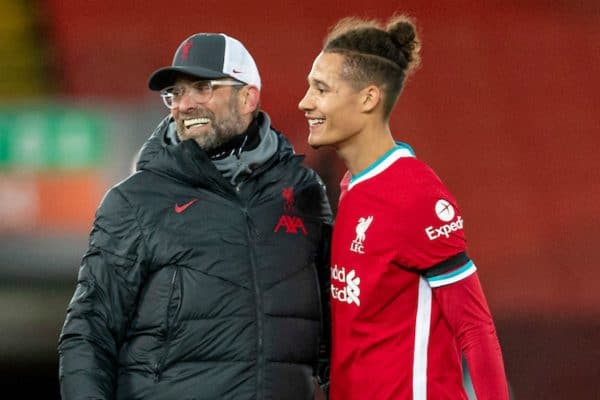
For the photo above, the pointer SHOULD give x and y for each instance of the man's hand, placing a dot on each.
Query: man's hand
(319, 394)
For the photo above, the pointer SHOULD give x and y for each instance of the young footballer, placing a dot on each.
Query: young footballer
(405, 297)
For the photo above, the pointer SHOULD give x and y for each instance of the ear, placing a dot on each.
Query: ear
(249, 98)
(371, 97)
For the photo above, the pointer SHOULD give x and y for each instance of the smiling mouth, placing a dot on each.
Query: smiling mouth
(315, 121)
(189, 123)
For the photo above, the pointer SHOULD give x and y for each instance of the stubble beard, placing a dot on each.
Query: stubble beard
(221, 130)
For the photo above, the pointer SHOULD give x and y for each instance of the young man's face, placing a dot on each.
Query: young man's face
(210, 123)
(330, 104)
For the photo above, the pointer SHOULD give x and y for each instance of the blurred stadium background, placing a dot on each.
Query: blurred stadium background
(505, 108)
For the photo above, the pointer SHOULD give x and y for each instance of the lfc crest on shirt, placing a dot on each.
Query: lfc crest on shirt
(357, 244)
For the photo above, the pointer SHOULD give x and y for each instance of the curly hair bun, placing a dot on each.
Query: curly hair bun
(403, 33)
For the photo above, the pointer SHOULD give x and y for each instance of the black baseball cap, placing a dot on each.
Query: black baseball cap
(210, 56)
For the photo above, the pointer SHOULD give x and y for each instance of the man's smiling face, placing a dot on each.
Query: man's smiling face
(211, 123)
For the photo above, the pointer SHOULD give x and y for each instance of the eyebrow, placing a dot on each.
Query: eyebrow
(315, 81)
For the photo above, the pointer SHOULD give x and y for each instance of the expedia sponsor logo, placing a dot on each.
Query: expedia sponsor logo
(444, 230)
(349, 290)
(445, 212)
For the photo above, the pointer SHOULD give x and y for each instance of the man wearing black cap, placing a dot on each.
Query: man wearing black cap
(207, 270)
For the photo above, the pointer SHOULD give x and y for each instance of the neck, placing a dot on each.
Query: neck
(364, 149)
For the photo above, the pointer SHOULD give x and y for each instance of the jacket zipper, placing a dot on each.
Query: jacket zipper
(259, 308)
(158, 366)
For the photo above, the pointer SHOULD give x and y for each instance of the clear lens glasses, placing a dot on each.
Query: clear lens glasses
(200, 91)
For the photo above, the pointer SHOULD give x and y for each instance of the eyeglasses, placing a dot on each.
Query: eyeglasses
(201, 91)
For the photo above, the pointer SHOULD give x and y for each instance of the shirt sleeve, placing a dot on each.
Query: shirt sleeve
(431, 242)
(429, 231)
(464, 306)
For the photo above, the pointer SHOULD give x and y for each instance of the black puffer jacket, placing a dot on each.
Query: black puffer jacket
(194, 289)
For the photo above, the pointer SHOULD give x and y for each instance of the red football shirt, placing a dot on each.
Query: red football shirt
(398, 234)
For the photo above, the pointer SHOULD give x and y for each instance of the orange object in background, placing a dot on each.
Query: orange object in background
(69, 200)
(49, 202)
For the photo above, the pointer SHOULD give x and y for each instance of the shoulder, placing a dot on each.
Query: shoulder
(405, 174)
(115, 206)
(411, 168)
(413, 175)
(124, 197)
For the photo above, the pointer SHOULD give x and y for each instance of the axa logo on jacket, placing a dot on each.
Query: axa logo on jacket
(288, 220)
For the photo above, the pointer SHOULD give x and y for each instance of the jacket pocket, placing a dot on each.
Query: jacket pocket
(168, 327)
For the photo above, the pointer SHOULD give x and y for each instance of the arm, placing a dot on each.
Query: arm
(325, 287)
(324, 274)
(99, 312)
(465, 308)
(432, 241)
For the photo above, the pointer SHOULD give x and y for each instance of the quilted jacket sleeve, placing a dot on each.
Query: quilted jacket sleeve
(110, 275)
(323, 270)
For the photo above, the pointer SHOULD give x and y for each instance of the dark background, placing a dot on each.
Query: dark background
(505, 108)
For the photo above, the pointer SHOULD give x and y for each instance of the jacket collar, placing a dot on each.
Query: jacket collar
(187, 162)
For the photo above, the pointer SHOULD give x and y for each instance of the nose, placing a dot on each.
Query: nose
(186, 101)
(305, 104)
